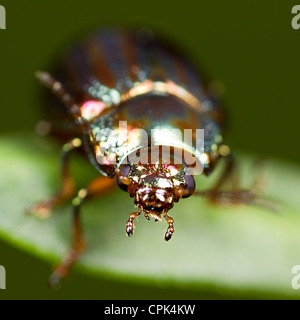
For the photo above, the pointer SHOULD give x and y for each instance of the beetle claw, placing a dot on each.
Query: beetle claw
(55, 281)
(40, 210)
(129, 229)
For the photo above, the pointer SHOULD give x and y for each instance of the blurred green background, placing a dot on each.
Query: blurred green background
(248, 45)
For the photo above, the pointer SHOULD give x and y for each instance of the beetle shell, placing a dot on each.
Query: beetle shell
(121, 76)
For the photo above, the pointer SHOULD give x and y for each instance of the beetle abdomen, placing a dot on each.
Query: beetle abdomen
(118, 76)
(109, 63)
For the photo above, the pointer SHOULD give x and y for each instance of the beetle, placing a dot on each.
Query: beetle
(115, 77)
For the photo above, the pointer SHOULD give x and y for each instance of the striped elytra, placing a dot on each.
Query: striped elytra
(116, 75)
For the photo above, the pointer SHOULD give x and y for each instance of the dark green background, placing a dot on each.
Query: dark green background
(248, 45)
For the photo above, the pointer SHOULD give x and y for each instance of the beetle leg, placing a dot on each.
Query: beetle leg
(129, 224)
(236, 195)
(228, 197)
(96, 188)
(43, 209)
(77, 248)
(239, 197)
(260, 180)
(231, 173)
(170, 229)
(228, 173)
(58, 89)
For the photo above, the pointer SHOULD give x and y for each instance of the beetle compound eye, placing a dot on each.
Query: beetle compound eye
(124, 172)
(125, 169)
(190, 186)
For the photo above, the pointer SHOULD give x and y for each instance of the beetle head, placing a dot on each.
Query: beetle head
(155, 187)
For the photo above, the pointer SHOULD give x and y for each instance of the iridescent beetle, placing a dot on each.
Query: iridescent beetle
(114, 76)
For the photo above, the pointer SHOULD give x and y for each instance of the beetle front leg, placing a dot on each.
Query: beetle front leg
(43, 209)
(215, 195)
(229, 173)
(77, 249)
(236, 195)
(97, 187)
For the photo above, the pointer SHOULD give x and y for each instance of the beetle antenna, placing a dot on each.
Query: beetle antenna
(170, 229)
(129, 223)
(59, 90)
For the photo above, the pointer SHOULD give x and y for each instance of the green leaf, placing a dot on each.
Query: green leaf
(242, 248)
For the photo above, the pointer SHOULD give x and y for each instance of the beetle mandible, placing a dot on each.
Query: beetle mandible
(113, 77)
